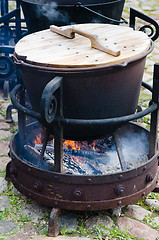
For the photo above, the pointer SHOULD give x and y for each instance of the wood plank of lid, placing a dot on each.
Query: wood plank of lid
(50, 49)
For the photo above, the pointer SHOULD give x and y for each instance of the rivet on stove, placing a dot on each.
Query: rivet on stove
(144, 168)
(119, 190)
(56, 203)
(149, 178)
(38, 186)
(89, 180)
(120, 202)
(120, 176)
(78, 193)
(143, 194)
(29, 169)
(88, 206)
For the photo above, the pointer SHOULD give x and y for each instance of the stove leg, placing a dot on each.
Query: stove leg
(52, 227)
(5, 90)
(58, 146)
(154, 115)
(58, 134)
(154, 118)
(21, 119)
(9, 118)
(8, 167)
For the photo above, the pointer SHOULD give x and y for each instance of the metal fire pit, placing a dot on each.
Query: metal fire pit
(80, 192)
(52, 187)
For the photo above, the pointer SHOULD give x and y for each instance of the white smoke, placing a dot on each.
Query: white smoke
(50, 10)
(135, 148)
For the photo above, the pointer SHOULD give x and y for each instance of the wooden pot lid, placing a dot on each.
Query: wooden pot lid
(52, 48)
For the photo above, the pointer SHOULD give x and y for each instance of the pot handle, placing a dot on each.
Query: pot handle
(21, 108)
(48, 104)
(69, 32)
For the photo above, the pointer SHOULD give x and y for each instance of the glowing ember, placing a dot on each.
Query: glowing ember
(37, 140)
(71, 144)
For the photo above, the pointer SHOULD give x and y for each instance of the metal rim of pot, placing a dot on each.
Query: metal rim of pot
(73, 2)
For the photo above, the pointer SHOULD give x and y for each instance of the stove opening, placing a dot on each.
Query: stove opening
(125, 150)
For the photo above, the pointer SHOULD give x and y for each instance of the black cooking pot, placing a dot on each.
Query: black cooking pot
(95, 85)
(40, 14)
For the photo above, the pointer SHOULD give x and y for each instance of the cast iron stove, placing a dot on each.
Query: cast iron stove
(91, 175)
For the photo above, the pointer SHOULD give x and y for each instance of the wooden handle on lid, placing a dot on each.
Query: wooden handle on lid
(70, 33)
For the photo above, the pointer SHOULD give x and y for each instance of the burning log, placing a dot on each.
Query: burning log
(75, 161)
(79, 161)
(33, 155)
(89, 154)
(70, 165)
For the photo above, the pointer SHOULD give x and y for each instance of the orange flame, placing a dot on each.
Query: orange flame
(94, 144)
(66, 143)
(71, 144)
(37, 140)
